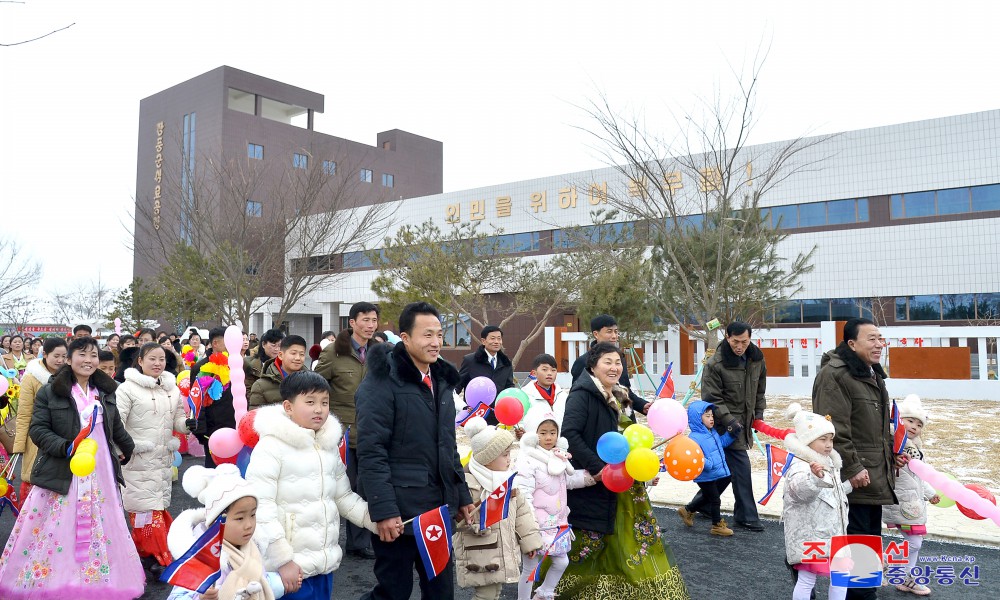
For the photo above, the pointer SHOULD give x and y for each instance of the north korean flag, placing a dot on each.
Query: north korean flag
(433, 532)
(481, 411)
(778, 462)
(497, 505)
(898, 431)
(194, 398)
(84, 432)
(537, 571)
(343, 446)
(200, 566)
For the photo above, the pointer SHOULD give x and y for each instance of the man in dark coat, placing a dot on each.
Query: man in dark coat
(604, 328)
(734, 379)
(221, 412)
(488, 361)
(850, 388)
(408, 459)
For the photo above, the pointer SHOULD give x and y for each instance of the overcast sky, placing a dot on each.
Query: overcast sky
(499, 86)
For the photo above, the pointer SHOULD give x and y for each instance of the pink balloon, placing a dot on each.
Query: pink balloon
(3, 385)
(481, 390)
(667, 417)
(955, 490)
(237, 380)
(225, 443)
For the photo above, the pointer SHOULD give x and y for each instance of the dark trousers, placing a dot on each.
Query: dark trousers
(209, 463)
(709, 499)
(863, 519)
(394, 564)
(745, 508)
(357, 538)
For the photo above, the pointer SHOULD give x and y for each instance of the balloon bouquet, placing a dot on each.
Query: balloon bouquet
(229, 445)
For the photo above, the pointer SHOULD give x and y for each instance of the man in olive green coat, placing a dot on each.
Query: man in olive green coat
(291, 359)
(734, 381)
(342, 363)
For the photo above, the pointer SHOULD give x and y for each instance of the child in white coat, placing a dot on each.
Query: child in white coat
(544, 392)
(302, 486)
(815, 499)
(910, 515)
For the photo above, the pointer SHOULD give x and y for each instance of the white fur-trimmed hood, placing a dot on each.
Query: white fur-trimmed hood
(796, 447)
(37, 370)
(273, 421)
(185, 531)
(167, 381)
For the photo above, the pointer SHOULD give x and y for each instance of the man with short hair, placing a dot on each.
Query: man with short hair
(291, 359)
(82, 331)
(604, 328)
(344, 365)
(220, 413)
(408, 460)
(487, 361)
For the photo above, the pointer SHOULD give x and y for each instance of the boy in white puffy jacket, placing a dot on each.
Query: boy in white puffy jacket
(302, 486)
(544, 392)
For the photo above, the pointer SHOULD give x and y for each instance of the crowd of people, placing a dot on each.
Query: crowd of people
(359, 430)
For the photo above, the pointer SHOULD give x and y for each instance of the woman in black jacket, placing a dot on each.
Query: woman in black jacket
(71, 539)
(617, 544)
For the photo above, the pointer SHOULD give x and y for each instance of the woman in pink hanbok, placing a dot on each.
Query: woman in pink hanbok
(71, 539)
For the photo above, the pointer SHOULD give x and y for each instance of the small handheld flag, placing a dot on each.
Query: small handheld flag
(84, 432)
(537, 571)
(194, 398)
(898, 431)
(778, 462)
(432, 530)
(666, 387)
(343, 446)
(481, 411)
(200, 566)
(496, 506)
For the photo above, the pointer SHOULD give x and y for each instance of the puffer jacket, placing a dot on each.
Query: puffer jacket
(341, 366)
(501, 544)
(35, 376)
(558, 406)
(302, 492)
(151, 410)
(814, 509)
(266, 390)
(912, 492)
(543, 476)
(858, 404)
(737, 389)
(712, 444)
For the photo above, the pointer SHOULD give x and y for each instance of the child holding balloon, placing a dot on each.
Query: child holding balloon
(71, 539)
(714, 477)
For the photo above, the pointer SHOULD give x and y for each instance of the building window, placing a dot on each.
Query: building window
(366, 175)
(986, 197)
(815, 311)
(300, 161)
(456, 330)
(387, 180)
(789, 312)
(254, 209)
(958, 307)
(187, 177)
(329, 167)
(785, 217)
(255, 151)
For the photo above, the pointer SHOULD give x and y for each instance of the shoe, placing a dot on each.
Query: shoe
(720, 528)
(686, 516)
(364, 553)
(913, 587)
(754, 526)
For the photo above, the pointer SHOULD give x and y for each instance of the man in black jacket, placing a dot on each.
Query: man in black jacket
(488, 361)
(604, 328)
(408, 460)
(221, 412)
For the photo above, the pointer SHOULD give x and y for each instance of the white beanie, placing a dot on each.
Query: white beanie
(537, 415)
(808, 425)
(216, 488)
(910, 407)
(488, 442)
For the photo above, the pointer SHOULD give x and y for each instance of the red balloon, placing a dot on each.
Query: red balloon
(229, 460)
(616, 478)
(983, 493)
(509, 410)
(248, 434)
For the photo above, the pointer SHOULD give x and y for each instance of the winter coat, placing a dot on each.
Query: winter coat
(737, 389)
(912, 493)
(477, 364)
(55, 422)
(35, 376)
(341, 366)
(589, 415)
(151, 410)
(500, 544)
(9, 360)
(814, 509)
(558, 406)
(252, 370)
(712, 444)
(858, 404)
(266, 390)
(217, 415)
(408, 459)
(302, 492)
(543, 476)
(580, 367)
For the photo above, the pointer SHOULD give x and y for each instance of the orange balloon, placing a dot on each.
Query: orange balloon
(683, 458)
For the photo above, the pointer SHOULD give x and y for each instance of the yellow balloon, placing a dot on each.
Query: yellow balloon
(185, 374)
(3, 486)
(82, 464)
(466, 458)
(642, 464)
(638, 436)
(87, 446)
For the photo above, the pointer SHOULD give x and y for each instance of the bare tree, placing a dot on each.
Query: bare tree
(87, 303)
(18, 311)
(37, 37)
(19, 274)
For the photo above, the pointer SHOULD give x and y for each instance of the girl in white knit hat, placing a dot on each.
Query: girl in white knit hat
(910, 515)
(815, 499)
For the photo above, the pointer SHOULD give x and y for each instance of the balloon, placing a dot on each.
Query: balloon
(519, 394)
(237, 378)
(945, 502)
(229, 460)
(667, 417)
(481, 390)
(3, 487)
(683, 458)
(118, 325)
(177, 459)
(983, 493)
(82, 464)
(965, 497)
(461, 416)
(3, 385)
(173, 473)
(465, 459)
(248, 434)
(638, 436)
(612, 447)
(87, 446)
(224, 443)
(642, 464)
(615, 478)
(509, 410)
(243, 460)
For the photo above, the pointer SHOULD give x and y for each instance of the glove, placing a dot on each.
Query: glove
(732, 425)
(759, 415)
(194, 426)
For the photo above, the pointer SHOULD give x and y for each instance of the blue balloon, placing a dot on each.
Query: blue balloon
(243, 459)
(612, 447)
(177, 459)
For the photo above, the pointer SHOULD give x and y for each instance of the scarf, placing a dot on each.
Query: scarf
(610, 397)
(248, 566)
(547, 394)
(487, 479)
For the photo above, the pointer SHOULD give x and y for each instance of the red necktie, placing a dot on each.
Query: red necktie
(427, 382)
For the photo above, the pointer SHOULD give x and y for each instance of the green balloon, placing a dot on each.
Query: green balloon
(518, 393)
(945, 502)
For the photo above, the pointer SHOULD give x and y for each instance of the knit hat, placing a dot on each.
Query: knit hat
(537, 415)
(216, 488)
(808, 425)
(910, 407)
(488, 442)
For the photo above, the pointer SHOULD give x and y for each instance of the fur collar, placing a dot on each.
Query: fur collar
(343, 346)
(167, 381)
(62, 382)
(855, 365)
(796, 447)
(556, 463)
(38, 370)
(272, 421)
(388, 361)
(480, 356)
(731, 361)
